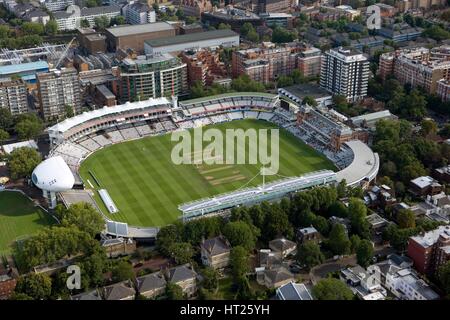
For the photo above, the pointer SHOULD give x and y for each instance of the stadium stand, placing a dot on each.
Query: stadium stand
(76, 138)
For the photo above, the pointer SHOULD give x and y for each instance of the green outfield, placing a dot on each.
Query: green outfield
(19, 217)
(147, 186)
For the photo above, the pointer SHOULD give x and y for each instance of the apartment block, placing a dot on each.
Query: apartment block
(58, 89)
(13, 95)
(430, 250)
(309, 62)
(152, 77)
(263, 64)
(71, 21)
(138, 13)
(345, 72)
(443, 89)
(204, 66)
(197, 7)
(419, 67)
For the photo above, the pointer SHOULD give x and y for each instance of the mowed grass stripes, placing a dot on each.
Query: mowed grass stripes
(19, 217)
(147, 186)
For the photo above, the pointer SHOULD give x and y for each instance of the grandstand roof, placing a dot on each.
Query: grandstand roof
(229, 95)
(365, 164)
(86, 116)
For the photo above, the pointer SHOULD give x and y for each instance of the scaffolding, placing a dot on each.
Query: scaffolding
(50, 52)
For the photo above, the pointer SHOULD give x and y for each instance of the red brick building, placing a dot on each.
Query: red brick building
(430, 250)
(204, 66)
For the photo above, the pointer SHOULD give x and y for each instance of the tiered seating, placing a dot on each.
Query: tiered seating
(101, 140)
(130, 133)
(251, 114)
(143, 129)
(219, 118)
(115, 136)
(89, 144)
(188, 124)
(168, 125)
(265, 116)
(156, 127)
(236, 115)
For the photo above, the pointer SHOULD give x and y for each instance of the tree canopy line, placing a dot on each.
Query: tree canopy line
(28, 34)
(72, 238)
(250, 227)
(405, 154)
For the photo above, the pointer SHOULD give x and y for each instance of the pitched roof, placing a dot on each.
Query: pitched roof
(278, 274)
(181, 273)
(294, 291)
(216, 246)
(150, 282)
(119, 290)
(281, 244)
(91, 295)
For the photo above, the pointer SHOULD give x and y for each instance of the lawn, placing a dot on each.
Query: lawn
(19, 217)
(147, 186)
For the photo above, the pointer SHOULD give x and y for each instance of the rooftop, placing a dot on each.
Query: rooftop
(429, 238)
(22, 67)
(191, 37)
(128, 30)
(307, 89)
(294, 291)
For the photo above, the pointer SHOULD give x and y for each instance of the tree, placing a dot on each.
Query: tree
(174, 291)
(284, 81)
(167, 236)
(22, 161)
(406, 219)
(51, 28)
(253, 36)
(321, 224)
(281, 35)
(444, 277)
(355, 241)
(35, 285)
(331, 289)
(85, 217)
(119, 20)
(240, 233)
(239, 262)
(93, 267)
(428, 127)
(338, 241)
(436, 32)
(309, 254)
(102, 22)
(276, 224)
(210, 278)
(310, 101)
(223, 26)
(182, 252)
(357, 213)
(32, 28)
(6, 118)
(28, 126)
(122, 271)
(51, 244)
(4, 135)
(364, 253)
(84, 23)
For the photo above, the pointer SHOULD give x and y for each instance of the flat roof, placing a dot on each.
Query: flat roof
(228, 95)
(128, 30)
(307, 89)
(8, 148)
(86, 116)
(365, 164)
(21, 67)
(191, 37)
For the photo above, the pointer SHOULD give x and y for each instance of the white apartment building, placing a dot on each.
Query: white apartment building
(345, 72)
(71, 21)
(138, 13)
(57, 5)
(406, 285)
